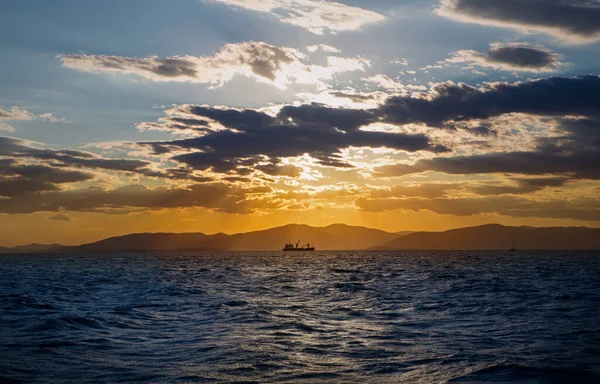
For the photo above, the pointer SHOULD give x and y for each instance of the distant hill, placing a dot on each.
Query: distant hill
(146, 242)
(338, 237)
(333, 237)
(35, 248)
(341, 237)
(499, 237)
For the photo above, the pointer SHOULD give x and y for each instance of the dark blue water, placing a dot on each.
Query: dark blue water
(322, 317)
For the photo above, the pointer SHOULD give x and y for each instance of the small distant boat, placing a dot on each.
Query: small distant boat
(289, 247)
(514, 248)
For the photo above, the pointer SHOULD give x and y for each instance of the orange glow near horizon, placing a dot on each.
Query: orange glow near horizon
(90, 227)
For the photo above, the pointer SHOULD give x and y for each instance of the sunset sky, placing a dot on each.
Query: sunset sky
(238, 115)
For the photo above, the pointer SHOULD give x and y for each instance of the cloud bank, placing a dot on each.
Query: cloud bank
(263, 62)
(244, 161)
(247, 138)
(511, 57)
(572, 21)
(15, 113)
(313, 15)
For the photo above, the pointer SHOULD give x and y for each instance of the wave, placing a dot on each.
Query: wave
(376, 317)
(515, 373)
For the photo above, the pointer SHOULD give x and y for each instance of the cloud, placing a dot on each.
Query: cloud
(541, 135)
(576, 154)
(425, 190)
(16, 113)
(511, 57)
(347, 98)
(523, 186)
(386, 82)
(51, 118)
(15, 148)
(18, 148)
(322, 47)
(313, 15)
(263, 62)
(176, 125)
(461, 102)
(236, 141)
(586, 209)
(391, 85)
(216, 196)
(243, 139)
(60, 217)
(574, 150)
(6, 128)
(573, 21)
(18, 179)
(288, 170)
(402, 61)
(446, 190)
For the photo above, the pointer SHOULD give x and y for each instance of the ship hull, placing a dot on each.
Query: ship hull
(298, 250)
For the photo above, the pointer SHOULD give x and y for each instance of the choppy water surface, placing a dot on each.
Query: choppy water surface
(323, 317)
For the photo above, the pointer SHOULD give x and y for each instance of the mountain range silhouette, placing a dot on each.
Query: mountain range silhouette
(341, 237)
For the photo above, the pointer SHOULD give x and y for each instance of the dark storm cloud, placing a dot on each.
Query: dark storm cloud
(16, 148)
(254, 136)
(59, 158)
(216, 196)
(576, 21)
(576, 155)
(579, 96)
(16, 179)
(252, 140)
(346, 120)
(190, 122)
(44, 173)
(21, 185)
(521, 56)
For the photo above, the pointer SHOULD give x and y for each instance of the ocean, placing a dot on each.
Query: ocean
(322, 317)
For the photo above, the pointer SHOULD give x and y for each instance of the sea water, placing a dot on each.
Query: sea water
(339, 317)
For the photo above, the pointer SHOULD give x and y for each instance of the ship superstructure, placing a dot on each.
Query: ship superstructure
(291, 247)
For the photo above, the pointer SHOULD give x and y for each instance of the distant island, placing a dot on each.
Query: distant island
(340, 237)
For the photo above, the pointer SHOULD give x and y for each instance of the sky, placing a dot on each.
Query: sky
(121, 116)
